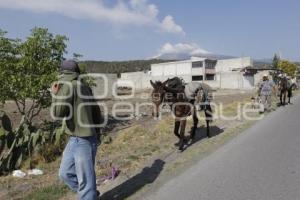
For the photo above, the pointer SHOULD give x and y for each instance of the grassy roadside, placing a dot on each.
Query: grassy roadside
(134, 148)
(130, 150)
(54, 191)
(18, 188)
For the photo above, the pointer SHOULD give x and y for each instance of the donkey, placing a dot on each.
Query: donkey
(173, 92)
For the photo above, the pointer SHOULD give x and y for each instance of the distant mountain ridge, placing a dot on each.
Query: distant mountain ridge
(118, 67)
(186, 56)
(145, 65)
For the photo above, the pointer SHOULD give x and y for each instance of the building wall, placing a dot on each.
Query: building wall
(225, 77)
(104, 83)
(235, 80)
(227, 65)
(171, 69)
(139, 80)
(186, 78)
(214, 84)
(182, 69)
(226, 80)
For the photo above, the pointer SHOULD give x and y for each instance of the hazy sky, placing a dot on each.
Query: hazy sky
(139, 29)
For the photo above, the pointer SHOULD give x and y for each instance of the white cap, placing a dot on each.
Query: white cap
(265, 75)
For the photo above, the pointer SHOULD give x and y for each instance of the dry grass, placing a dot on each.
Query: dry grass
(18, 188)
(296, 92)
(131, 148)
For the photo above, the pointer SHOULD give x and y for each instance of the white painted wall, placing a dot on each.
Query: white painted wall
(214, 84)
(198, 71)
(227, 65)
(171, 68)
(235, 80)
(248, 82)
(104, 85)
(138, 80)
(183, 68)
(157, 70)
(186, 78)
(224, 78)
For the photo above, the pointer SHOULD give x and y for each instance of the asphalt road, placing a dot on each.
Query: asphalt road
(263, 163)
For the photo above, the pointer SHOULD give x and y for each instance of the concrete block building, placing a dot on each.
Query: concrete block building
(195, 69)
(219, 74)
(104, 85)
(224, 73)
(138, 80)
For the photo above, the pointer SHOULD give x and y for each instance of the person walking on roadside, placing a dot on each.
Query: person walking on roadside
(265, 89)
(290, 86)
(78, 160)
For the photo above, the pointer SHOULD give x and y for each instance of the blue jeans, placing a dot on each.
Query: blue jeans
(77, 166)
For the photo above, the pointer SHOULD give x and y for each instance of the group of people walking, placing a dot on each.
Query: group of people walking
(267, 88)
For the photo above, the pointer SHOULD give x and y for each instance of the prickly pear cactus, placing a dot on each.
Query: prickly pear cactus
(5, 122)
(2, 140)
(22, 143)
(5, 129)
(59, 132)
(19, 147)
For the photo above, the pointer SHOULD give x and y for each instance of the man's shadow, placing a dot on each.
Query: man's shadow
(201, 133)
(129, 187)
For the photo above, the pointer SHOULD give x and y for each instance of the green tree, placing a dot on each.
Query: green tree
(287, 67)
(276, 59)
(8, 59)
(29, 68)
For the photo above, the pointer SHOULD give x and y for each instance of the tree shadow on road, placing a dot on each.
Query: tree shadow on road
(129, 187)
